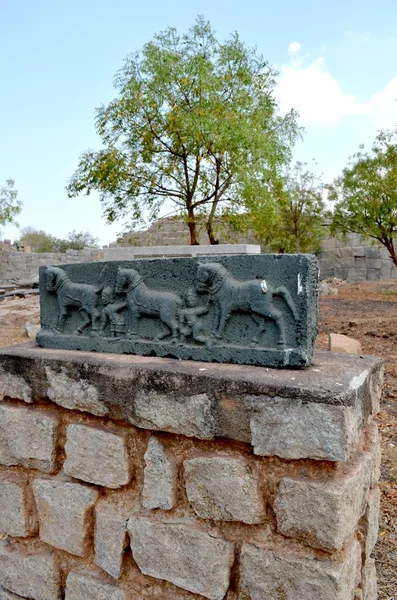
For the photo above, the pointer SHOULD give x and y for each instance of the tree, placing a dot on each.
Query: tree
(365, 195)
(195, 124)
(10, 206)
(37, 239)
(293, 221)
(300, 212)
(77, 240)
(41, 241)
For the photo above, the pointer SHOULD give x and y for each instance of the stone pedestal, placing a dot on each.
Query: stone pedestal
(126, 477)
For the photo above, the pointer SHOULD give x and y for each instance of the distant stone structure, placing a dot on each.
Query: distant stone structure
(25, 265)
(173, 231)
(355, 260)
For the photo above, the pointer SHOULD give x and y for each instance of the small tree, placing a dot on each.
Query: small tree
(10, 206)
(37, 239)
(41, 241)
(365, 195)
(293, 219)
(300, 211)
(196, 124)
(77, 240)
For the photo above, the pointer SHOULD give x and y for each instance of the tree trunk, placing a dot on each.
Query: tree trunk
(388, 243)
(209, 224)
(191, 221)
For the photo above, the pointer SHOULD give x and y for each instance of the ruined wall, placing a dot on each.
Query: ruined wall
(126, 478)
(25, 265)
(355, 260)
(173, 231)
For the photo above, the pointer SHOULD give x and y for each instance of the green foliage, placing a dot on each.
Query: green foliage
(10, 206)
(365, 195)
(195, 124)
(77, 240)
(300, 212)
(292, 219)
(41, 241)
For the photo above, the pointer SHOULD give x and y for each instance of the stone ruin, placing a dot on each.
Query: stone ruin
(130, 477)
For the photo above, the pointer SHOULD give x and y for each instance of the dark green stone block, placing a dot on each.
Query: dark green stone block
(255, 309)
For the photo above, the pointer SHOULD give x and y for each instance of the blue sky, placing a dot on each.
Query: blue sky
(337, 64)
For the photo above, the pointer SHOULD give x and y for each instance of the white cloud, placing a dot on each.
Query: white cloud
(320, 100)
(293, 48)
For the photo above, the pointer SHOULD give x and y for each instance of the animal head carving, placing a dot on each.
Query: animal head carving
(208, 275)
(125, 279)
(53, 275)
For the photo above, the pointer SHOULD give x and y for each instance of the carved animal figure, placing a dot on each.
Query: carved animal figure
(142, 300)
(253, 297)
(70, 294)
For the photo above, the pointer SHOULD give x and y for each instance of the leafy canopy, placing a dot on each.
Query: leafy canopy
(195, 124)
(41, 241)
(294, 220)
(10, 206)
(365, 195)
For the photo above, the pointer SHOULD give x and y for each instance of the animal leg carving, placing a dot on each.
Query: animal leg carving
(261, 327)
(86, 322)
(61, 320)
(216, 321)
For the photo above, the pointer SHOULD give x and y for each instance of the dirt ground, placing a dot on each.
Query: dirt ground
(366, 311)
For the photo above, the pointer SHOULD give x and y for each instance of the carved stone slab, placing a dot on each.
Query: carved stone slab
(255, 309)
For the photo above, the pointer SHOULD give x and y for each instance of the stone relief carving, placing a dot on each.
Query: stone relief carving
(142, 300)
(113, 315)
(83, 296)
(200, 317)
(191, 326)
(253, 297)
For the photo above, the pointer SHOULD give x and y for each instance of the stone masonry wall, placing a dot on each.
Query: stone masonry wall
(355, 260)
(131, 478)
(173, 231)
(25, 265)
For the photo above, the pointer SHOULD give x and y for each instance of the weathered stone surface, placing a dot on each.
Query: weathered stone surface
(191, 559)
(14, 386)
(375, 449)
(292, 428)
(342, 343)
(159, 487)
(63, 512)
(266, 575)
(358, 251)
(324, 513)
(371, 521)
(28, 437)
(132, 252)
(29, 574)
(4, 595)
(75, 395)
(224, 488)
(191, 415)
(209, 400)
(110, 539)
(97, 456)
(81, 586)
(370, 584)
(263, 308)
(16, 517)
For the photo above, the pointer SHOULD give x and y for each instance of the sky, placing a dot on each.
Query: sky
(336, 62)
